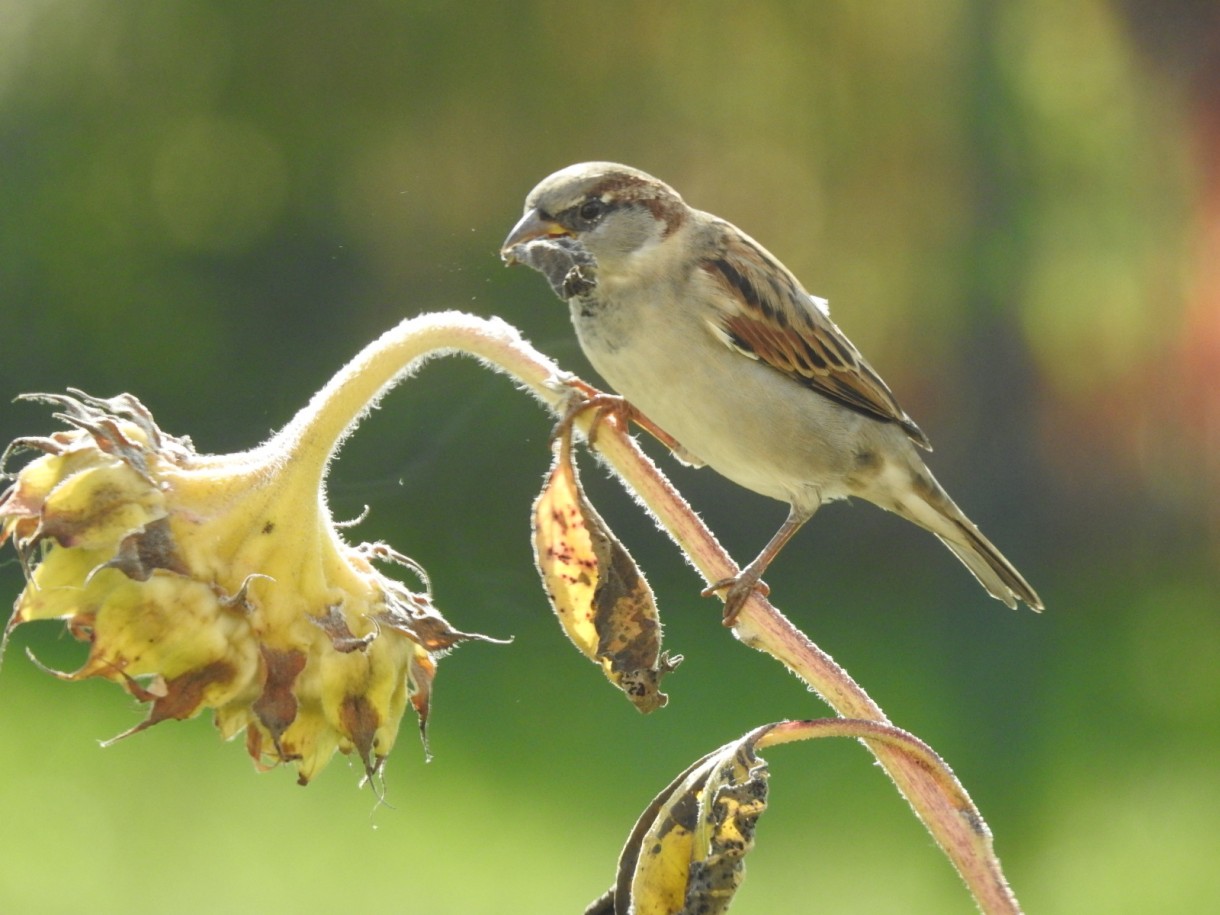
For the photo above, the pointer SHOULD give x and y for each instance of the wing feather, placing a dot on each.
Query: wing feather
(782, 325)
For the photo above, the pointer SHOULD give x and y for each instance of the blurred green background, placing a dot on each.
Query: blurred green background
(1014, 208)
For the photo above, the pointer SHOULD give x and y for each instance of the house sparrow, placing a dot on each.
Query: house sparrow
(717, 344)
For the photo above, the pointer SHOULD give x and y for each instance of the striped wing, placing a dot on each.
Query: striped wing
(782, 325)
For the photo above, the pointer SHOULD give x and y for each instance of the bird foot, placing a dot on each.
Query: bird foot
(587, 397)
(737, 590)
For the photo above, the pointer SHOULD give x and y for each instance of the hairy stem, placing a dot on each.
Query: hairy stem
(950, 816)
(927, 783)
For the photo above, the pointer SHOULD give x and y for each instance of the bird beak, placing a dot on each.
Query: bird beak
(531, 226)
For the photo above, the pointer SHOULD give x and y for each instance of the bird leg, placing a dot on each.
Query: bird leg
(739, 587)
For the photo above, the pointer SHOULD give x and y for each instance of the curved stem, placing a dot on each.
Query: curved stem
(335, 411)
(950, 816)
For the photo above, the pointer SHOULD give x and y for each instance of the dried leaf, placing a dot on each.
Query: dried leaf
(415, 616)
(360, 721)
(184, 697)
(149, 548)
(276, 706)
(334, 624)
(596, 590)
(421, 672)
(686, 853)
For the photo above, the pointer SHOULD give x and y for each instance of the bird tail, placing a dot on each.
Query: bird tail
(929, 506)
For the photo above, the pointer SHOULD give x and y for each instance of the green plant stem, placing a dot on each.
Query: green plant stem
(930, 787)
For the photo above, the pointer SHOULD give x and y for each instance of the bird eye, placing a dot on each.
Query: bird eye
(592, 209)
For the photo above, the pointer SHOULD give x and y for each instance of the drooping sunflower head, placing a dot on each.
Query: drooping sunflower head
(219, 582)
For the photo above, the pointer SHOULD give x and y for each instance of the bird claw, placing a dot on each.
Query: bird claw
(738, 590)
(585, 397)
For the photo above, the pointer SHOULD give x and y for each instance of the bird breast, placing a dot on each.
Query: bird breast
(743, 418)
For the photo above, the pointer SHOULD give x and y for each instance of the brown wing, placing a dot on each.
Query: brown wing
(781, 325)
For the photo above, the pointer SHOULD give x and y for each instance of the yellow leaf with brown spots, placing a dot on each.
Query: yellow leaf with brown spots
(686, 853)
(596, 590)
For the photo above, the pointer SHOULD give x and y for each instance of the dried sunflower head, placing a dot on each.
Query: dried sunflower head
(219, 581)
